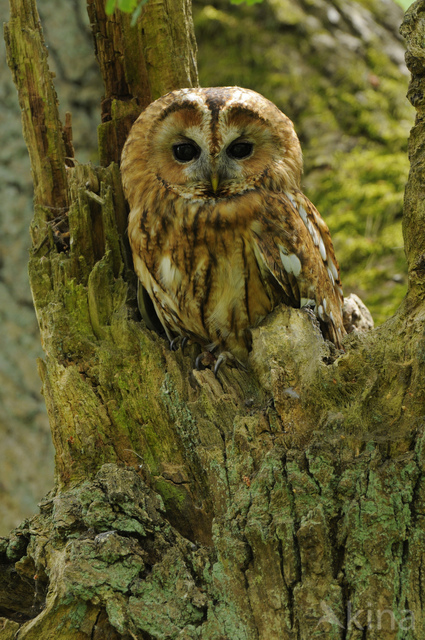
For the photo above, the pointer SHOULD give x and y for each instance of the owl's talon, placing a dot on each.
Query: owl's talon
(228, 359)
(184, 342)
(174, 343)
(207, 359)
(221, 358)
(204, 360)
(177, 342)
(199, 366)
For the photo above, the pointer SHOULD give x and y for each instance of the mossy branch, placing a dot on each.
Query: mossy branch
(414, 205)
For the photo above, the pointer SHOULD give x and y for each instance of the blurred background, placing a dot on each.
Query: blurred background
(336, 68)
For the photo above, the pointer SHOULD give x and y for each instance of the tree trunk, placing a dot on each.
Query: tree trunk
(280, 503)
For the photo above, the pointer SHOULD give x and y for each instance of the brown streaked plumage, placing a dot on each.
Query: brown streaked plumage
(219, 229)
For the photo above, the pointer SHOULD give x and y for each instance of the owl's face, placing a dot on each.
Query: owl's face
(214, 143)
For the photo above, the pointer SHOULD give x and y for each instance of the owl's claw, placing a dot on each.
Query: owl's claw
(174, 343)
(207, 359)
(198, 362)
(204, 360)
(229, 359)
(177, 342)
(220, 360)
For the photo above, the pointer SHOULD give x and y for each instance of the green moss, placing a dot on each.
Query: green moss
(362, 202)
(172, 495)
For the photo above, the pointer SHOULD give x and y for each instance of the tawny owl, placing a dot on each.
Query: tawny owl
(219, 229)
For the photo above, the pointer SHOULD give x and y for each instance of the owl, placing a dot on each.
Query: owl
(219, 228)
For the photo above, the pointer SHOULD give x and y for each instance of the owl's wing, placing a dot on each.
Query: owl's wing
(293, 244)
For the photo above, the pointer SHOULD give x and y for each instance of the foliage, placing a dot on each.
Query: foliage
(123, 5)
(248, 2)
(135, 6)
(127, 6)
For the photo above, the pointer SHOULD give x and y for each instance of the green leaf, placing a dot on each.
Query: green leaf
(110, 6)
(248, 2)
(127, 6)
(137, 12)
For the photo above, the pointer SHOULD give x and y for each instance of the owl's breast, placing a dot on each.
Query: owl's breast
(218, 289)
(238, 296)
(200, 269)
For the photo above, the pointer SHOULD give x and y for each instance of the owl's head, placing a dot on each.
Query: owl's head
(212, 143)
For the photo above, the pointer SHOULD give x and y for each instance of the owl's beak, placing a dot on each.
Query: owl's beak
(215, 181)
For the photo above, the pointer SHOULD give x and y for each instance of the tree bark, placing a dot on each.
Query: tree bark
(284, 502)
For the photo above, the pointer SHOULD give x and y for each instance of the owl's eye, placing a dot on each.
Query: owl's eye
(186, 151)
(239, 150)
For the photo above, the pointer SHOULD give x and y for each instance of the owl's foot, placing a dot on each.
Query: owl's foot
(207, 359)
(227, 358)
(177, 342)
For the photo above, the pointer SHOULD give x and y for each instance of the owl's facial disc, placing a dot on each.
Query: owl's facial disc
(204, 158)
(210, 172)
